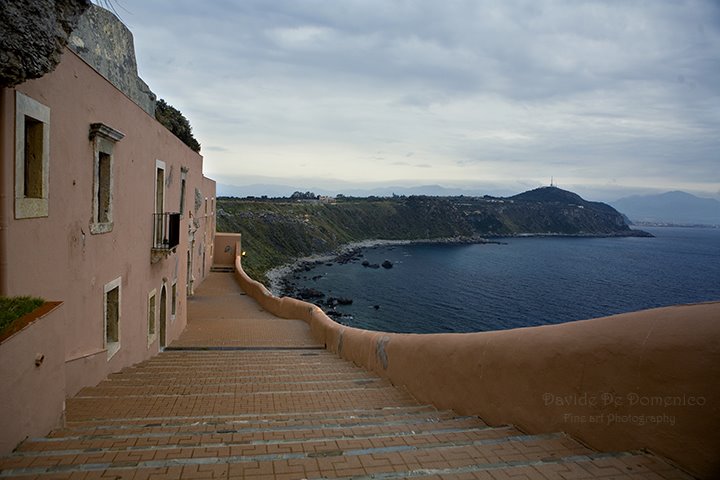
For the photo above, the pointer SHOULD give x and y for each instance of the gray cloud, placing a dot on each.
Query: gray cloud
(507, 90)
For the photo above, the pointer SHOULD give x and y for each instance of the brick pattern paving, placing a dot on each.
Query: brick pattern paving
(285, 413)
(221, 315)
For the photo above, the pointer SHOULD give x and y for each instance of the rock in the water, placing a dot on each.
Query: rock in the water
(387, 264)
(309, 293)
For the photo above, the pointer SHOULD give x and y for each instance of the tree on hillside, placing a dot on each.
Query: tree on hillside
(176, 122)
(304, 196)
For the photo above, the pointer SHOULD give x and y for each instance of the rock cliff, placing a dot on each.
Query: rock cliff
(105, 43)
(33, 35)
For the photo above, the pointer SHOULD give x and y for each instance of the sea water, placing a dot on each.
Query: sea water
(523, 281)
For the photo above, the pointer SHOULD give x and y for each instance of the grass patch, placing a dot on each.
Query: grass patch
(12, 308)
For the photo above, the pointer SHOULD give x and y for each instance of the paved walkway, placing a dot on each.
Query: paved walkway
(221, 315)
(221, 407)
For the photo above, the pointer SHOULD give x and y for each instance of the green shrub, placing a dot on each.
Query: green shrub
(12, 308)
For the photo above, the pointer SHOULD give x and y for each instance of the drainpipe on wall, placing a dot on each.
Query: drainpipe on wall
(4, 134)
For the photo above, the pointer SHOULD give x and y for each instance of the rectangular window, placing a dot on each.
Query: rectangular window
(112, 317)
(152, 315)
(103, 193)
(32, 157)
(160, 233)
(183, 187)
(173, 306)
(103, 139)
(159, 187)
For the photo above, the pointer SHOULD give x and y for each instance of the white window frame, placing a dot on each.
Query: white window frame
(160, 165)
(183, 190)
(25, 206)
(152, 314)
(173, 300)
(112, 347)
(103, 139)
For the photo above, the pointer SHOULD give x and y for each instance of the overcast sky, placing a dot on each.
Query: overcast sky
(610, 97)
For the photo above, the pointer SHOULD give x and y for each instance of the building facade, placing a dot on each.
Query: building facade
(105, 210)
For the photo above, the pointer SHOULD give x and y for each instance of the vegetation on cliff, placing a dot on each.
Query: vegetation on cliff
(175, 121)
(277, 231)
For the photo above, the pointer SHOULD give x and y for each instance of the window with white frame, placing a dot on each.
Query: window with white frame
(152, 316)
(103, 139)
(111, 316)
(32, 157)
(183, 188)
(173, 300)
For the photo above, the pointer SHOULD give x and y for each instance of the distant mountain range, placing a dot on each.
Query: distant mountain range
(679, 208)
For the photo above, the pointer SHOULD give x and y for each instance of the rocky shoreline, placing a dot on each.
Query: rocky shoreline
(282, 279)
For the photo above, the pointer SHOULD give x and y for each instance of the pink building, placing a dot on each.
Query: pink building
(103, 209)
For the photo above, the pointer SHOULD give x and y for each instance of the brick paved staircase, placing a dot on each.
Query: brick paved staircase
(244, 394)
(290, 413)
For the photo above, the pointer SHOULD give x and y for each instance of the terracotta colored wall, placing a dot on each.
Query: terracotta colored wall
(209, 227)
(640, 380)
(57, 257)
(32, 396)
(225, 248)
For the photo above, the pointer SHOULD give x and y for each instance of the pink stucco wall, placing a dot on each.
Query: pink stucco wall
(640, 380)
(58, 258)
(32, 395)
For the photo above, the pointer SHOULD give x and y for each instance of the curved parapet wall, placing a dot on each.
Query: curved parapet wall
(643, 380)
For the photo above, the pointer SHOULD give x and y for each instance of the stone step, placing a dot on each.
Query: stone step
(204, 368)
(190, 354)
(307, 417)
(389, 465)
(229, 388)
(278, 376)
(223, 268)
(353, 457)
(99, 408)
(311, 442)
(238, 379)
(233, 433)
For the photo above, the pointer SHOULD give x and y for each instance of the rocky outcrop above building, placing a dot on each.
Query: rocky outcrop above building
(105, 43)
(33, 35)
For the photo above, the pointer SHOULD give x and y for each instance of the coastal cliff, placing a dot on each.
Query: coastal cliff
(277, 231)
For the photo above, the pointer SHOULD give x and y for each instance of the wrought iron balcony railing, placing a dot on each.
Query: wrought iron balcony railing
(166, 230)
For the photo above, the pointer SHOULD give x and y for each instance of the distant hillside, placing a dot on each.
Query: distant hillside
(276, 190)
(672, 207)
(277, 231)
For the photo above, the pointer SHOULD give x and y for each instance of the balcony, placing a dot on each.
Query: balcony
(166, 235)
